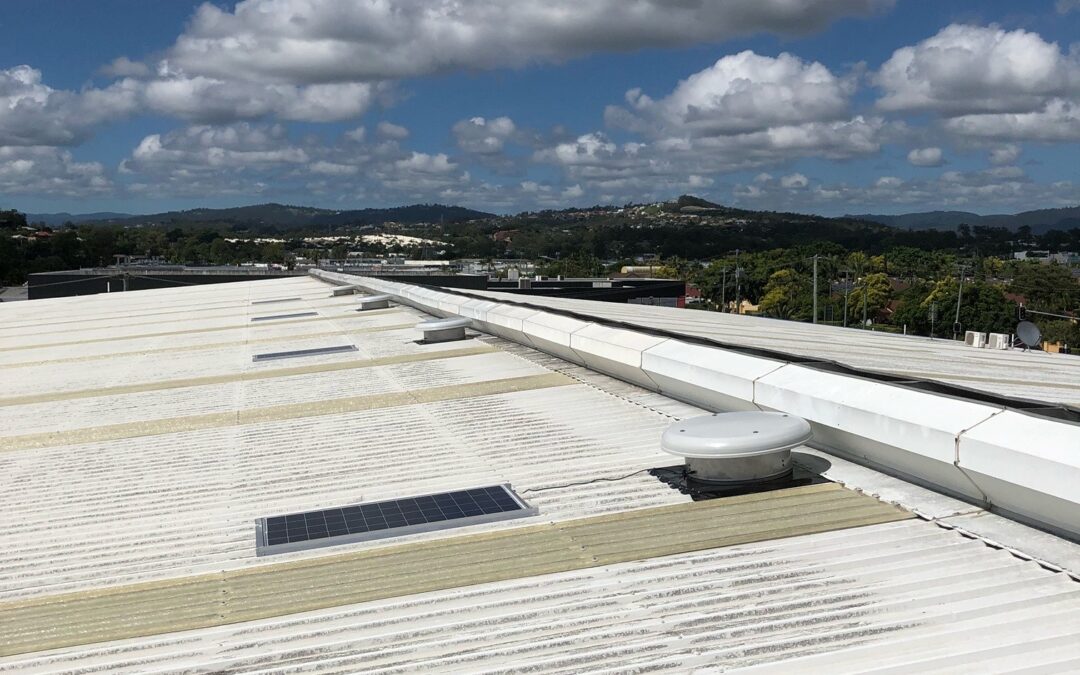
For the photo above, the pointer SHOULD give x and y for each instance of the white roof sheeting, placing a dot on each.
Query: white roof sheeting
(1033, 375)
(91, 514)
(904, 595)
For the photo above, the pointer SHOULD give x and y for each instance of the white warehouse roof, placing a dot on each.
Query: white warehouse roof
(140, 442)
(1017, 373)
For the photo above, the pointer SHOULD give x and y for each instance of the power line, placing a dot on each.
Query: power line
(168, 281)
(73, 281)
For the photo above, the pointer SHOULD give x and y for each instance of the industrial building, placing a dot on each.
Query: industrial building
(290, 475)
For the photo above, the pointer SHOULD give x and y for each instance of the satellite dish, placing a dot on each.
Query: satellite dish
(1028, 333)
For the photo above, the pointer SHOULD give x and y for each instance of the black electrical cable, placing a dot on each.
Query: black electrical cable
(586, 482)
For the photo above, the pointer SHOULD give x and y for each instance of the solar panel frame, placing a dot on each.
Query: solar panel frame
(296, 353)
(389, 518)
(283, 316)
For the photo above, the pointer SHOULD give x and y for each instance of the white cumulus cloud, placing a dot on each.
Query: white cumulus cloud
(481, 136)
(1005, 154)
(926, 157)
(1057, 121)
(747, 92)
(240, 145)
(388, 130)
(33, 113)
(308, 41)
(967, 69)
(794, 181)
(50, 170)
(208, 99)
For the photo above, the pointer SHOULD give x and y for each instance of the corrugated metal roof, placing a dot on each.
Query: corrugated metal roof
(904, 593)
(232, 596)
(1033, 375)
(154, 505)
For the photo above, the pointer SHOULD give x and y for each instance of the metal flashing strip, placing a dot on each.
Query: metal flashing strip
(313, 583)
(333, 406)
(269, 302)
(296, 353)
(389, 518)
(248, 376)
(275, 317)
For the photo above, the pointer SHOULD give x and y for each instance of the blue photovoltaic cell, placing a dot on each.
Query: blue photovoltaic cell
(392, 518)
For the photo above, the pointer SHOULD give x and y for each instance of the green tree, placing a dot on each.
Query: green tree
(68, 247)
(787, 296)
(99, 244)
(983, 307)
(272, 252)
(1061, 331)
(914, 313)
(908, 262)
(876, 290)
(859, 263)
(12, 219)
(1050, 288)
(221, 252)
(580, 264)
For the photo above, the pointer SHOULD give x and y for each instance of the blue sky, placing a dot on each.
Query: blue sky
(826, 106)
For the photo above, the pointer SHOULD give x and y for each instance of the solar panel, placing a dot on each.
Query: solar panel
(267, 302)
(282, 316)
(317, 351)
(390, 518)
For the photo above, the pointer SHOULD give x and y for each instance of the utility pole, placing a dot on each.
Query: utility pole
(815, 287)
(723, 290)
(959, 297)
(738, 278)
(864, 303)
(847, 288)
(933, 317)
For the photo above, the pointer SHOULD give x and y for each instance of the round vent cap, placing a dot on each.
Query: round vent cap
(740, 447)
(738, 434)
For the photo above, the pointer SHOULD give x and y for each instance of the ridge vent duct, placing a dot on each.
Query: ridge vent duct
(736, 448)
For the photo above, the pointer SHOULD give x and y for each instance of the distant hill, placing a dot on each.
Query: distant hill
(57, 219)
(1040, 221)
(696, 205)
(280, 215)
(690, 205)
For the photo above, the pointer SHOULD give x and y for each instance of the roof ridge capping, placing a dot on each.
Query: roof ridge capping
(1020, 465)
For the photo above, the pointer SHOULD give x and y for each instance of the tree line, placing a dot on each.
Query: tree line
(896, 279)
